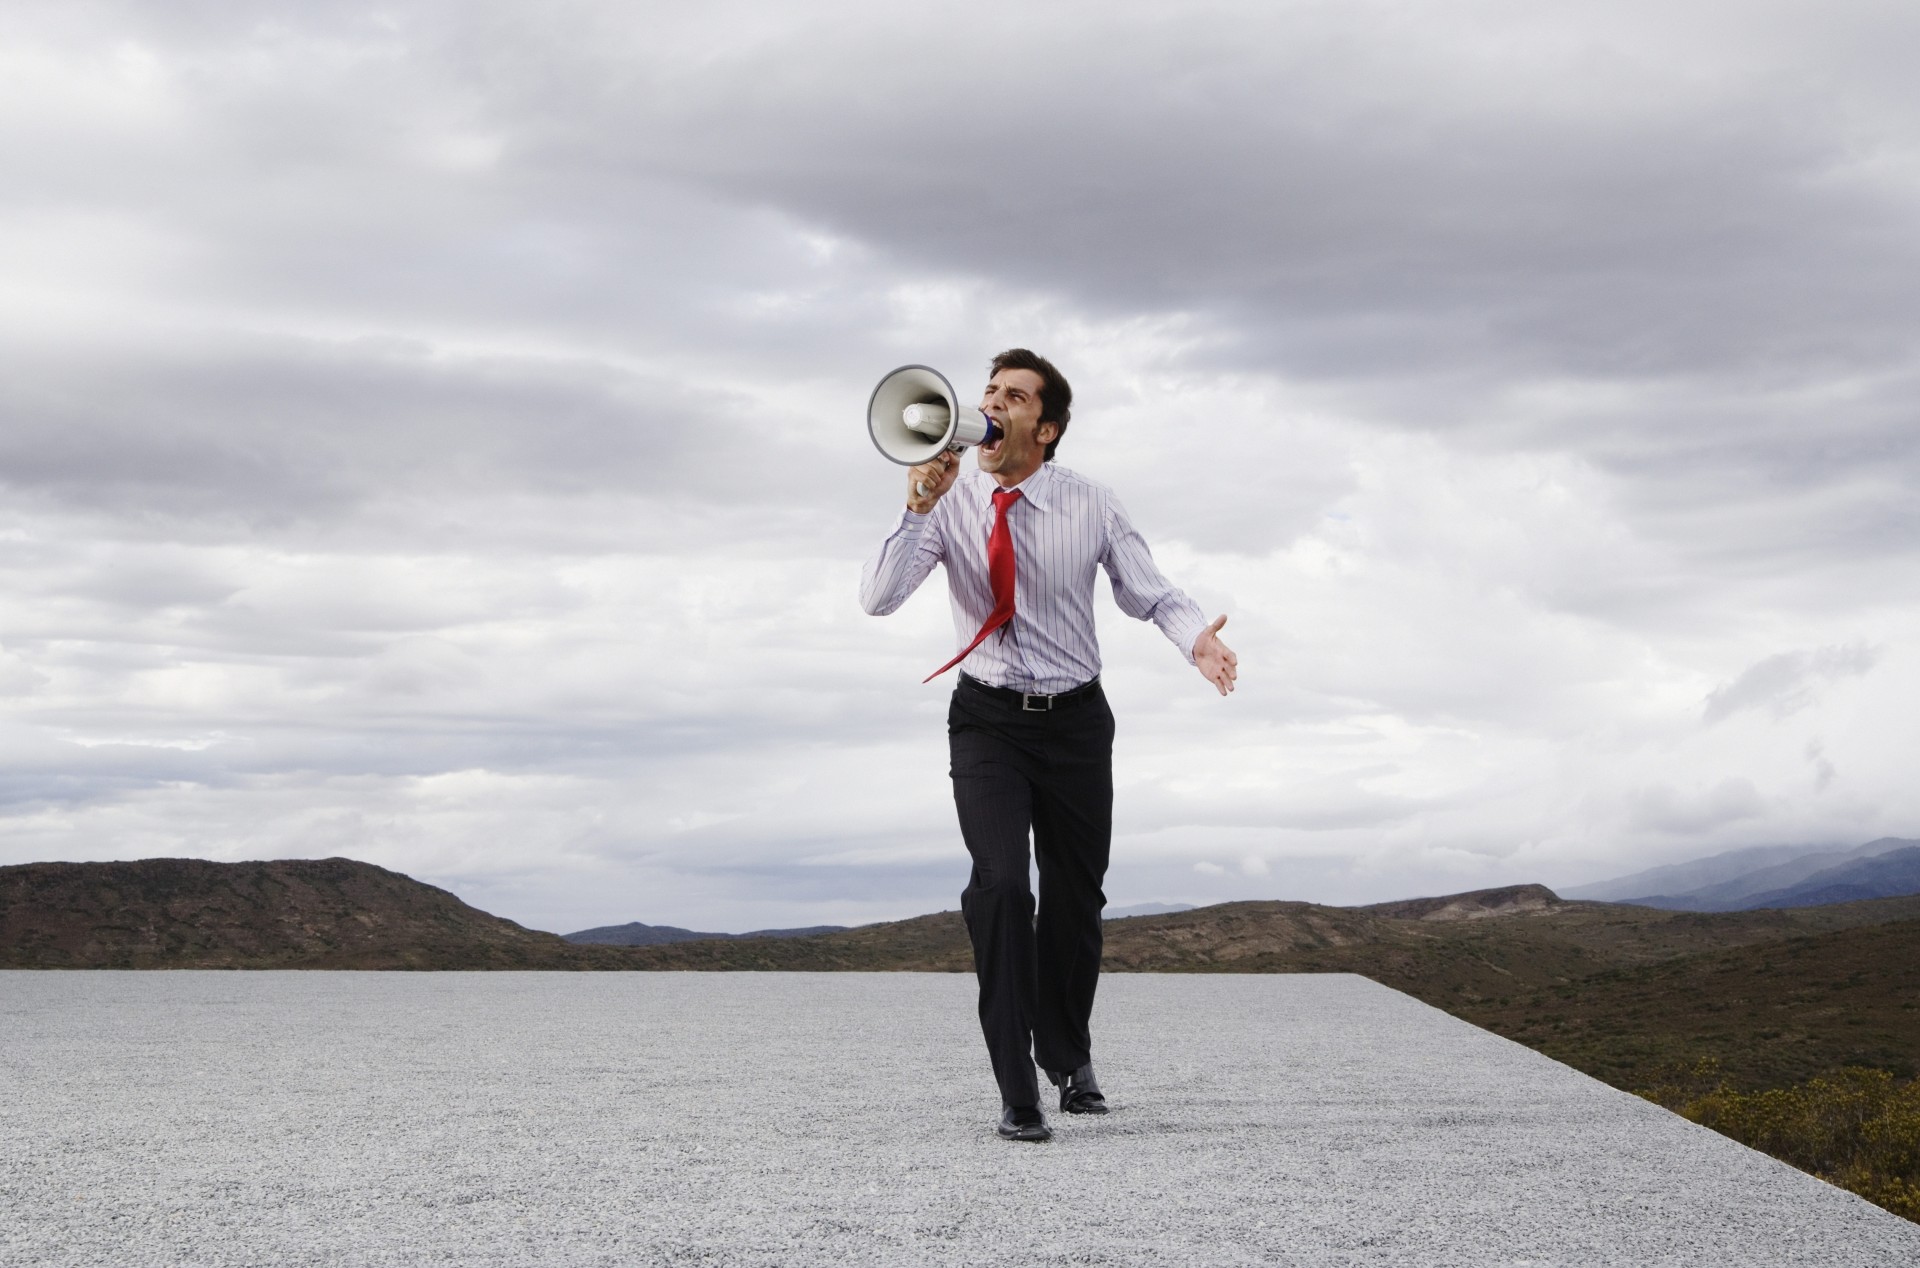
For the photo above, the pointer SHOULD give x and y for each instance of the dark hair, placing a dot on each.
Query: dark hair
(1056, 397)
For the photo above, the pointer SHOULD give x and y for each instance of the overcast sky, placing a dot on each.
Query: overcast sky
(432, 433)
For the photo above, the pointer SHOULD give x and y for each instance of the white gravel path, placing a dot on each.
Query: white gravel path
(643, 1118)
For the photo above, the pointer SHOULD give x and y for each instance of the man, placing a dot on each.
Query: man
(1029, 730)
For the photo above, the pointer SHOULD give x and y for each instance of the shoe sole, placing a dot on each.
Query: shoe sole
(1033, 1134)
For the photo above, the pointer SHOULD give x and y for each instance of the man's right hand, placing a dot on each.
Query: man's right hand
(935, 477)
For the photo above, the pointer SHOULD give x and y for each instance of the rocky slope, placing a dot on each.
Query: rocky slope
(288, 913)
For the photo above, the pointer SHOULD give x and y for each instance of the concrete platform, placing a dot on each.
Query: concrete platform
(745, 1119)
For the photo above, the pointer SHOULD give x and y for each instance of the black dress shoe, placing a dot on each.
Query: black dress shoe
(1025, 1122)
(1079, 1094)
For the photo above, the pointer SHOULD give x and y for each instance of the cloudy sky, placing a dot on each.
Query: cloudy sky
(432, 433)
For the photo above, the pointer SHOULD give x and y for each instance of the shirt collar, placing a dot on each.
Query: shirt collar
(1035, 489)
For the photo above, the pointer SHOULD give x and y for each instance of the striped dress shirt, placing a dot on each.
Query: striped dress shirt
(1064, 527)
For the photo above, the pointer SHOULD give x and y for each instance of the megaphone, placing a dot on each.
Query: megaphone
(914, 416)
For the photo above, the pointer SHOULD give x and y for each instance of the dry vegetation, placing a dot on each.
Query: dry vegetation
(1857, 1128)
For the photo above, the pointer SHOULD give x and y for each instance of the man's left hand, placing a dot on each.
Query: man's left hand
(1214, 659)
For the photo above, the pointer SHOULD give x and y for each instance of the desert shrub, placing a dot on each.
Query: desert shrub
(1859, 1129)
(1680, 1083)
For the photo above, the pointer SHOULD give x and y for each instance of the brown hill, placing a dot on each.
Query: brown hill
(1541, 942)
(289, 913)
(1513, 900)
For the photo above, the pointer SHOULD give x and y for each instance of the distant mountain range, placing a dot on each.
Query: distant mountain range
(1770, 877)
(635, 934)
(344, 914)
(1144, 909)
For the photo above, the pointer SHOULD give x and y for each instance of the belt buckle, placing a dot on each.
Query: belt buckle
(1027, 705)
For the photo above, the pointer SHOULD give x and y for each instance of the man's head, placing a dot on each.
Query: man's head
(1032, 403)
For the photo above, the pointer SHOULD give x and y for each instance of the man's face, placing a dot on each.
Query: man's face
(1012, 400)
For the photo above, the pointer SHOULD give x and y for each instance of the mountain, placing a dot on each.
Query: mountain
(1729, 881)
(1143, 909)
(1887, 875)
(636, 934)
(1529, 934)
(1715, 869)
(1513, 900)
(284, 914)
(1743, 892)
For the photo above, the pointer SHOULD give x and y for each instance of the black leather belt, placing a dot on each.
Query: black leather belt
(1030, 701)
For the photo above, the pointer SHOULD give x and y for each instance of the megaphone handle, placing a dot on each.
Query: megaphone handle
(919, 489)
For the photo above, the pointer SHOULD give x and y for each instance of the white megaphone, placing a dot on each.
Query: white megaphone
(914, 417)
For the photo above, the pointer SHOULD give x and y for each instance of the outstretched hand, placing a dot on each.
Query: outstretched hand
(1214, 659)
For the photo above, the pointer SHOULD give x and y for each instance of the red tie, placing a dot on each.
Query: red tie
(999, 576)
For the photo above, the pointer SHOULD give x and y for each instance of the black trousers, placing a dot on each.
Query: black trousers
(1049, 773)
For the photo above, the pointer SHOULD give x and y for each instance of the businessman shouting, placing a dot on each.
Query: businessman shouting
(1029, 730)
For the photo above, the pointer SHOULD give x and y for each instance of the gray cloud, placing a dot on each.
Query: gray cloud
(1824, 771)
(1371, 188)
(1663, 808)
(278, 432)
(1789, 682)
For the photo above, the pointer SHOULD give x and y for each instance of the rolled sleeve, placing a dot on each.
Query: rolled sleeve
(1142, 591)
(906, 557)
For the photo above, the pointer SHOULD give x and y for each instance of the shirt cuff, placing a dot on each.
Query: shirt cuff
(1188, 636)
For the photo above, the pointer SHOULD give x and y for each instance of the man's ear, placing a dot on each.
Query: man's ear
(1040, 433)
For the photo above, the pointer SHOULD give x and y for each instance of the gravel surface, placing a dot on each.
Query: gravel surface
(662, 1118)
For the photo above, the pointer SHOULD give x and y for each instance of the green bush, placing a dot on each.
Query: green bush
(1858, 1129)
